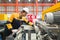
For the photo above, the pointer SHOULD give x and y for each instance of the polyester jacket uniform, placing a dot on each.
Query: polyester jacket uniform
(14, 22)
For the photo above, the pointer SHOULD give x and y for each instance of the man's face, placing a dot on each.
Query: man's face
(24, 13)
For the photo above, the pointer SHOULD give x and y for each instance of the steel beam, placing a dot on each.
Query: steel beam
(56, 7)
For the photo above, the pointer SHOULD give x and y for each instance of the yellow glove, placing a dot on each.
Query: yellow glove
(25, 19)
(30, 23)
(9, 26)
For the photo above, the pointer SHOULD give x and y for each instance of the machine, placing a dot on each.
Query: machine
(54, 8)
(49, 28)
(23, 31)
(53, 18)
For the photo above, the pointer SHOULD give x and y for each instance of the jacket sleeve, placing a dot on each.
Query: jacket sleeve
(26, 20)
(9, 26)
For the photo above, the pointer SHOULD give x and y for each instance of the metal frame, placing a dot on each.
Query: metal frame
(26, 4)
(44, 26)
(56, 7)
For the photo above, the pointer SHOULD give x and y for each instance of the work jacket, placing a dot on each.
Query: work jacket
(15, 21)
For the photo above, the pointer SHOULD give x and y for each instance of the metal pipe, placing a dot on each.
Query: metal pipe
(29, 35)
(36, 7)
(53, 18)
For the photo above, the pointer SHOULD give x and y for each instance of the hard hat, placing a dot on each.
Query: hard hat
(26, 9)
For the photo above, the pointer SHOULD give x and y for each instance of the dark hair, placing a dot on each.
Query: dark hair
(23, 11)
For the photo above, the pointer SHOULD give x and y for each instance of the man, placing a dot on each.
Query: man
(15, 21)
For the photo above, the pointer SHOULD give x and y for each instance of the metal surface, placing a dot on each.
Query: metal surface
(21, 34)
(53, 18)
(46, 28)
(29, 28)
(49, 18)
(49, 29)
(56, 7)
(10, 37)
(29, 35)
(1, 30)
(58, 35)
(39, 36)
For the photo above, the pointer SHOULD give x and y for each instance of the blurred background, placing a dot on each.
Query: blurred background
(35, 6)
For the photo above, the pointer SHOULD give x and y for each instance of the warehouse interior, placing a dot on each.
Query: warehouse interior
(41, 20)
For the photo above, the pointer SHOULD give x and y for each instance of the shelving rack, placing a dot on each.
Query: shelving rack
(17, 4)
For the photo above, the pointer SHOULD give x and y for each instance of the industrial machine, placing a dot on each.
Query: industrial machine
(53, 18)
(25, 33)
(49, 28)
(54, 8)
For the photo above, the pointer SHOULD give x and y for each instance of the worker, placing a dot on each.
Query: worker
(15, 22)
